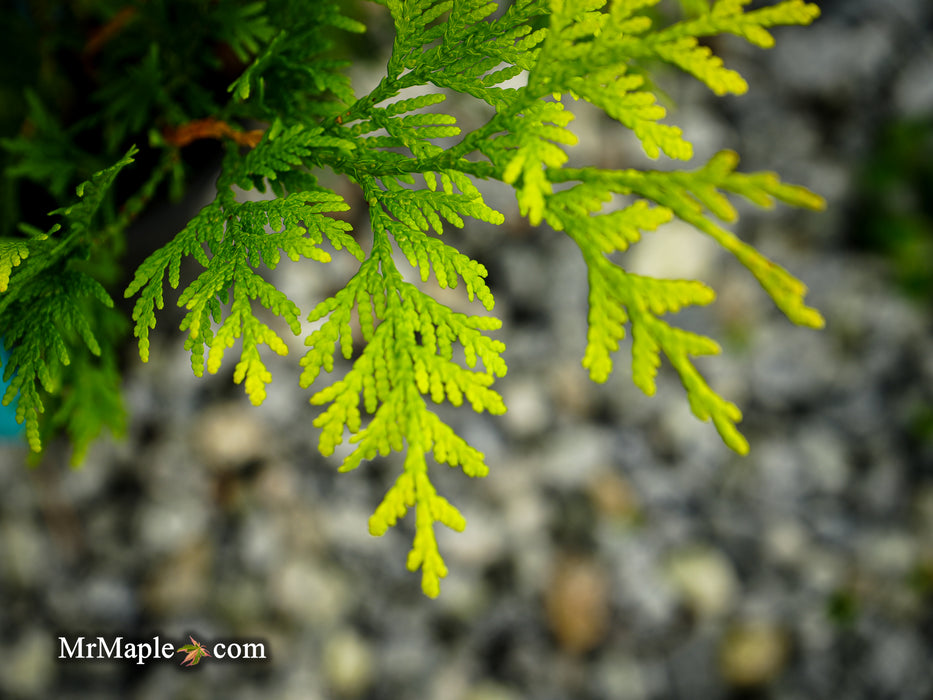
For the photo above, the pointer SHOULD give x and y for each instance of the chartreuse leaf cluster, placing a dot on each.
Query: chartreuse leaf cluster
(393, 350)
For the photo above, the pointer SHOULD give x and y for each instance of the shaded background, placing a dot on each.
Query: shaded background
(617, 550)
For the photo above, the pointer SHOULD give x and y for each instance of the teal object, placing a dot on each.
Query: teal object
(9, 428)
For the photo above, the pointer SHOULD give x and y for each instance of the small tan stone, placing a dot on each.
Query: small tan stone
(229, 435)
(705, 579)
(577, 604)
(752, 654)
(348, 664)
(614, 496)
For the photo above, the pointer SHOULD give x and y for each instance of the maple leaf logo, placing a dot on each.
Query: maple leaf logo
(195, 651)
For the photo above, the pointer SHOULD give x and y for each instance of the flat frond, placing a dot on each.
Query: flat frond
(290, 52)
(687, 194)
(51, 312)
(417, 212)
(679, 45)
(408, 355)
(45, 329)
(231, 240)
(528, 150)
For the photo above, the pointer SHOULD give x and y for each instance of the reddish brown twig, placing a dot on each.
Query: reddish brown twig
(109, 30)
(210, 128)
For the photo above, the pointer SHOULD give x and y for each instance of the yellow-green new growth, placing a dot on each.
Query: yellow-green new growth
(408, 356)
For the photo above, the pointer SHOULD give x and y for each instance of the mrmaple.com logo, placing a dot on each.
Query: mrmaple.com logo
(142, 652)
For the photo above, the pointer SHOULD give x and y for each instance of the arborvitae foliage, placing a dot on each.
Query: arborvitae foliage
(290, 112)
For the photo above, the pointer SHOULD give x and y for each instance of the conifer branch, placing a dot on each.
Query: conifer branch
(416, 166)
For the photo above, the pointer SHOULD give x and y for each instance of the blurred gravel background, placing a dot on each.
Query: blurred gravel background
(617, 550)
